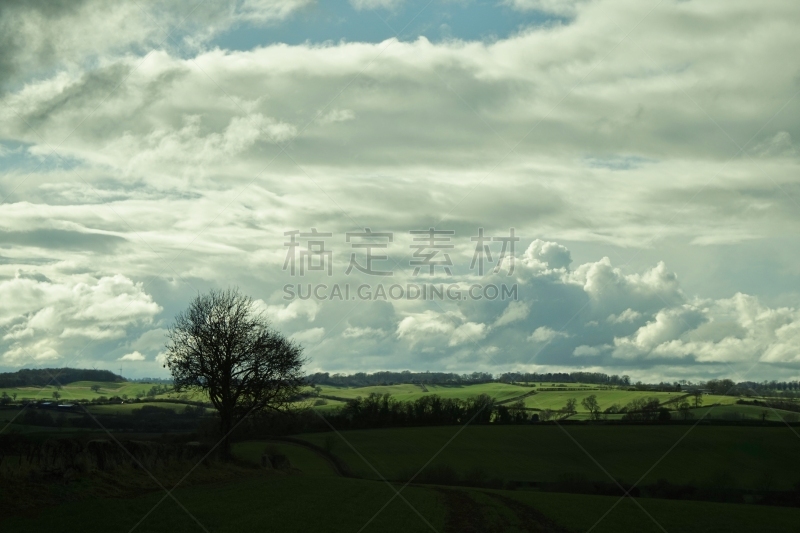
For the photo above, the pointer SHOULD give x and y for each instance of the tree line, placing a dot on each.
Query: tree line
(362, 379)
(42, 377)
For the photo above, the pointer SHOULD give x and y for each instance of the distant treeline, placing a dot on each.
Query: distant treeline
(562, 377)
(362, 379)
(40, 377)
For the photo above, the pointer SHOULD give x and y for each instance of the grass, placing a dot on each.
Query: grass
(303, 459)
(274, 502)
(606, 398)
(319, 501)
(126, 408)
(745, 412)
(407, 392)
(582, 512)
(81, 390)
(743, 457)
(716, 399)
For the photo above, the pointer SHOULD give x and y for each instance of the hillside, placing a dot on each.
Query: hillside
(40, 377)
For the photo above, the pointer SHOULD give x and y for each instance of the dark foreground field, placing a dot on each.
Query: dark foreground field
(321, 501)
(312, 494)
(740, 457)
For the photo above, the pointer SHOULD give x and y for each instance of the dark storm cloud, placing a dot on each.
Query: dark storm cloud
(15, 14)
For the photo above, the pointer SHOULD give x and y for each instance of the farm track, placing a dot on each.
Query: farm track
(339, 467)
(516, 398)
(464, 514)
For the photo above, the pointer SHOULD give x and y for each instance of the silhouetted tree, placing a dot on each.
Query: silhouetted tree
(590, 404)
(698, 398)
(570, 408)
(224, 347)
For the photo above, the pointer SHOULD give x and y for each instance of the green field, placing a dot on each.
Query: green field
(127, 408)
(745, 412)
(81, 390)
(606, 398)
(743, 457)
(408, 392)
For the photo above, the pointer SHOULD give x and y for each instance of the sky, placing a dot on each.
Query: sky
(641, 153)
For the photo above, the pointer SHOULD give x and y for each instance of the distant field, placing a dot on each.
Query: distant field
(741, 456)
(745, 412)
(499, 391)
(712, 399)
(126, 408)
(81, 390)
(606, 398)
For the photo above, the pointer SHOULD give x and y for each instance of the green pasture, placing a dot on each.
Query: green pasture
(551, 384)
(715, 399)
(745, 412)
(606, 398)
(81, 390)
(740, 457)
(408, 392)
(127, 408)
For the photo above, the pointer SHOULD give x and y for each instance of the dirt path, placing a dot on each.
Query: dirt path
(494, 513)
(463, 513)
(337, 465)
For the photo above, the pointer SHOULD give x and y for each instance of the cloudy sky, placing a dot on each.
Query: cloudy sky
(644, 153)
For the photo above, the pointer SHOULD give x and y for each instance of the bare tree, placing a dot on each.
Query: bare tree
(590, 404)
(223, 346)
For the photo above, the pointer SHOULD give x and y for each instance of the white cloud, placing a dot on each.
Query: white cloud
(421, 326)
(290, 311)
(558, 7)
(546, 255)
(309, 336)
(469, 332)
(337, 115)
(591, 351)
(133, 356)
(46, 319)
(628, 315)
(359, 333)
(375, 4)
(170, 174)
(543, 334)
(515, 312)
